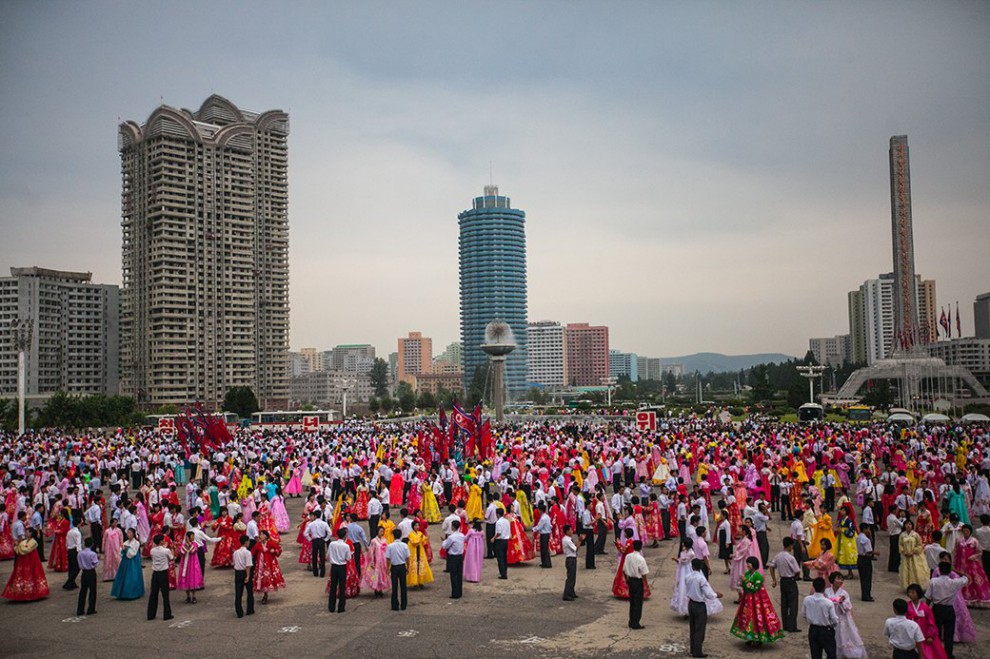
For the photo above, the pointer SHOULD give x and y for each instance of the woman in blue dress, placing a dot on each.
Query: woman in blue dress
(129, 582)
(957, 503)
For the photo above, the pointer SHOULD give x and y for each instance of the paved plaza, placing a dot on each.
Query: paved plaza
(495, 618)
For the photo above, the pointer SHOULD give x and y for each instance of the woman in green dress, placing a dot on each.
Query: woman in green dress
(756, 620)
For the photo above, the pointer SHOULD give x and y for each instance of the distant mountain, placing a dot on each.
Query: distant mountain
(713, 362)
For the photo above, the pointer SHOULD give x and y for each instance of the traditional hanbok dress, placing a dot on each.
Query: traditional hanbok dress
(743, 549)
(914, 568)
(429, 508)
(922, 614)
(848, 643)
(823, 566)
(6, 538)
(756, 620)
(58, 559)
(475, 507)
(968, 561)
(822, 529)
(27, 582)
(620, 588)
(361, 503)
(525, 510)
(654, 523)
(375, 574)
(223, 552)
(474, 555)
(521, 547)
(112, 541)
(129, 582)
(419, 572)
(846, 552)
(352, 583)
(294, 487)
(957, 505)
(267, 572)
(189, 576)
(280, 515)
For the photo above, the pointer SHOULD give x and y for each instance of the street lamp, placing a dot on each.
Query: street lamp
(345, 385)
(811, 372)
(610, 383)
(23, 330)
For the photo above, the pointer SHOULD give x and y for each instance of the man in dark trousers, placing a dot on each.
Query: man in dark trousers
(160, 558)
(243, 578)
(339, 554)
(819, 612)
(397, 555)
(698, 591)
(864, 561)
(635, 571)
(570, 564)
(543, 528)
(88, 560)
(503, 533)
(317, 532)
(454, 546)
(941, 592)
(785, 566)
(588, 526)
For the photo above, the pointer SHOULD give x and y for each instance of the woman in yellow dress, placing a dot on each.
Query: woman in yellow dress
(419, 573)
(389, 526)
(475, 509)
(429, 508)
(914, 567)
(525, 510)
(244, 487)
(822, 530)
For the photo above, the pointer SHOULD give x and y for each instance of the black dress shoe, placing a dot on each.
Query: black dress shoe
(568, 599)
(168, 617)
(699, 656)
(637, 627)
(869, 599)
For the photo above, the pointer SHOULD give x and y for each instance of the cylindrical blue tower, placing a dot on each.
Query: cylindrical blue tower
(493, 281)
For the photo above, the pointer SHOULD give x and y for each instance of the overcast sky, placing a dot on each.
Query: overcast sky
(697, 176)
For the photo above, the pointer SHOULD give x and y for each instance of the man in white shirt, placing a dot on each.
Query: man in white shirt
(570, 564)
(94, 517)
(374, 514)
(405, 524)
(397, 556)
(454, 546)
(503, 532)
(73, 543)
(544, 529)
(819, 612)
(339, 554)
(698, 591)
(941, 592)
(317, 532)
(243, 578)
(251, 531)
(635, 570)
(160, 557)
(490, 518)
(864, 560)
(904, 635)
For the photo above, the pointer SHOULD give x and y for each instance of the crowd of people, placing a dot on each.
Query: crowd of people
(384, 510)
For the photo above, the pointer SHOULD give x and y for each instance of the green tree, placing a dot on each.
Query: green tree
(388, 404)
(426, 401)
(379, 377)
(374, 405)
(759, 380)
(479, 382)
(241, 401)
(407, 399)
(168, 409)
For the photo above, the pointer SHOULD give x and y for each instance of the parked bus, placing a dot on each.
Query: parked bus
(859, 413)
(293, 419)
(811, 412)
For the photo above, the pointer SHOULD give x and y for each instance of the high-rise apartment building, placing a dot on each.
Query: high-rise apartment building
(623, 364)
(546, 353)
(415, 356)
(927, 317)
(586, 354)
(493, 281)
(205, 301)
(832, 350)
(75, 338)
(981, 316)
(353, 357)
(650, 368)
(872, 335)
(313, 359)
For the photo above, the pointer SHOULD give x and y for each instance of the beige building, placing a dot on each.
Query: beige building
(415, 356)
(205, 298)
(434, 382)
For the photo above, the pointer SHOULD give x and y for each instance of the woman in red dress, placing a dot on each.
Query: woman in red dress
(223, 552)
(172, 546)
(521, 548)
(58, 560)
(6, 536)
(556, 528)
(654, 523)
(620, 588)
(156, 519)
(306, 547)
(267, 573)
(756, 620)
(361, 501)
(27, 582)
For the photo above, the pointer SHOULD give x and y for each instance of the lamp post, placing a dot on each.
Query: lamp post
(811, 372)
(23, 331)
(610, 383)
(499, 342)
(345, 386)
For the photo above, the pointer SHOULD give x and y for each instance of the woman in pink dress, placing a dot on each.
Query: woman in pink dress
(743, 549)
(113, 540)
(375, 572)
(921, 613)
(189, 576)
(968, 561)
(294, 487)
(474, 553)
(279, 513)
(825, 564)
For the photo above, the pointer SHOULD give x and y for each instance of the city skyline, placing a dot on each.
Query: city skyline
(723, 171)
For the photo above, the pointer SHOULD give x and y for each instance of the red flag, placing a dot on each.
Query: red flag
(943, 322)
(486, 440)
(958, 322)
(439, 443)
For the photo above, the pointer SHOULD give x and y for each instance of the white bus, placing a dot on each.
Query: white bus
(294, 419)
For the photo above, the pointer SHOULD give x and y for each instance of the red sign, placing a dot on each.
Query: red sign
(646, 421)
(166, 425)
(311, 423)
